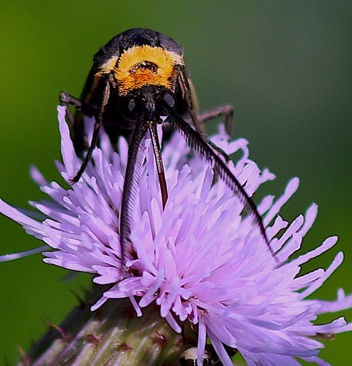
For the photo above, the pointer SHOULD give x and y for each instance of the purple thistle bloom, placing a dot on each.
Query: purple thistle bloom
(199, 259)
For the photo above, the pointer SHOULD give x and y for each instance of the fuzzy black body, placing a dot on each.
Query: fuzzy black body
(115, 121)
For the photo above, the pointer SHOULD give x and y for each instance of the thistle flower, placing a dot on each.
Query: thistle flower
(200, 260)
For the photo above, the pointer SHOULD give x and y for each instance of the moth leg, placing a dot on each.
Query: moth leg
(78, 126)
(68, 99)
(225, 110)
(199, 120)
(76, 120)
(98, 115)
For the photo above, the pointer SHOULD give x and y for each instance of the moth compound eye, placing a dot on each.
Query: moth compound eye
(128, 107)
(169, 99)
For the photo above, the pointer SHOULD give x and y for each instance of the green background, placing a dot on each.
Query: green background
(284, 65)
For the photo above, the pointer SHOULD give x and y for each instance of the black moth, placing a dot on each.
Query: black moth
(139, 80)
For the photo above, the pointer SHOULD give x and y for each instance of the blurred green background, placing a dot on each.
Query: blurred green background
(284, 65)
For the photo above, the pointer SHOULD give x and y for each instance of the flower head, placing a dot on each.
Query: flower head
(200, 259)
